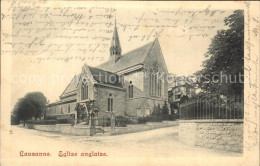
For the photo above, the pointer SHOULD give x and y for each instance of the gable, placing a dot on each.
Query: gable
(156, 56)
(71, 88)
(105, 77)
(95, 75)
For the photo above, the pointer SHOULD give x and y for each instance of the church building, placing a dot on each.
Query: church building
(128, 85)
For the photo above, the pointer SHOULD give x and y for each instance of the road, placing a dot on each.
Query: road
(159, 143)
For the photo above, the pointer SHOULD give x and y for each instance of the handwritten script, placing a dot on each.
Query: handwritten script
(251, 70)
(84, 33)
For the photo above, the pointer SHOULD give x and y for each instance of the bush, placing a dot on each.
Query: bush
(14, 120)
(121, 121)
(42, 122)
(172, 117)
(50, 118)
(104, 122)
(51, 122)
(108, 122)
(153, 118)
(156, 110)
(165, 110)
(63, 121)
(142, 120)
(165, 117)
(133, 120)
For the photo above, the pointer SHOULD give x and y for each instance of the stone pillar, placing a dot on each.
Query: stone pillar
(76, 118)
(113, 123)
(92, 125)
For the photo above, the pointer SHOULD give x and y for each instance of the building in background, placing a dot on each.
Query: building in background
(179, 88)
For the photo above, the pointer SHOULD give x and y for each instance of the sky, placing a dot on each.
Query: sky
(183, 53)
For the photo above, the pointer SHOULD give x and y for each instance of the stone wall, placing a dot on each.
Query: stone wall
(187, 133)
(143, 127)
(85, 130)
(224, 135)
(64, 128)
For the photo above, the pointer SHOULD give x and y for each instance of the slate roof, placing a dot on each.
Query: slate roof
(71, 87)
(129, 59)
(105, 77)
(99, 75)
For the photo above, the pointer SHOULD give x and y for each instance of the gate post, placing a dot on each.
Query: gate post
(92, 125)
(180, 111)
(113, 123)
(75, 118)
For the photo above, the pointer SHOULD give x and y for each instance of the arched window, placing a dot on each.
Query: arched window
(69, 109)
(110, 102)
(61, 110)
(131, 90)
(84, 92)
(155, 84)
(160, 86)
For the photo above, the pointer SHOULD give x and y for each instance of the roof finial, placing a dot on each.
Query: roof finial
(156, 35)
(115, 18)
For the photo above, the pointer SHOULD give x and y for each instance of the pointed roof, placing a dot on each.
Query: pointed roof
(99, 75)
(71, 88)
(129, 59)
(115, 43)
(105, 77)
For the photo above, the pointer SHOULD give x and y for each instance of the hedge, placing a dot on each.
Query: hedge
(121, 121)
(51, 122)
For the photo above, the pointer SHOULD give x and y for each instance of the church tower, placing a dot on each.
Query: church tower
(115, 48)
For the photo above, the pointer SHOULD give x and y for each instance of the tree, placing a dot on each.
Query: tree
(39, 101)
(156, 110)
(14, 119)
(33, 104)
(24, 110)
(223, 69)
(165, 110)
(173, 106)
(184, 99)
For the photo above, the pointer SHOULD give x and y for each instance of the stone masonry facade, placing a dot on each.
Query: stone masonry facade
(226, 135)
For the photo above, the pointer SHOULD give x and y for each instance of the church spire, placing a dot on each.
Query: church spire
(115, 48)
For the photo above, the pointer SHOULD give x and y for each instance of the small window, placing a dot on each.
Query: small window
(131, 90)
(61, 110)
(110, 103)
(69, 109)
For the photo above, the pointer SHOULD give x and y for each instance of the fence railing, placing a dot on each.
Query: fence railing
(231, 107)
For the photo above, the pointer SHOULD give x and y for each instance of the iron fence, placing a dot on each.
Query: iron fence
(231, 107)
